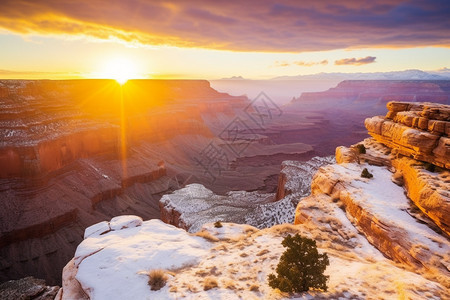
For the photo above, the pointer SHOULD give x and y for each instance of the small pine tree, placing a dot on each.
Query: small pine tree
(366, 174)
(301, 266)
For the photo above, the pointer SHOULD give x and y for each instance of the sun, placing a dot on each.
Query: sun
(120, 69)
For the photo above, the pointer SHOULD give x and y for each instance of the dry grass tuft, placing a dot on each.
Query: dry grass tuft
(262, 252)
(284, 229)
(222, 247)
(210, 283)
(229, 284)
(157, 279)
(207, 236)
(202, 273)
(173, 289)
(250, 230)
(254, 288)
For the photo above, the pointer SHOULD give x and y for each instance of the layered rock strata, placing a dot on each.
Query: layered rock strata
(377, 205)
(418, 130)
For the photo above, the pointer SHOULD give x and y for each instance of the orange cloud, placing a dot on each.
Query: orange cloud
(356, 61)
(259, 25)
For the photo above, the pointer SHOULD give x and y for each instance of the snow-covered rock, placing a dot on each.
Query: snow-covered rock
(239, 258)
(195, 205)
(382, 212)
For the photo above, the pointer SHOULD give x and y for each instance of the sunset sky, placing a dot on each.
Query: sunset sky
(213, 39)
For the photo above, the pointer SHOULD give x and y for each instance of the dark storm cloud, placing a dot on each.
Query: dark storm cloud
(356, 61)
(255, 25)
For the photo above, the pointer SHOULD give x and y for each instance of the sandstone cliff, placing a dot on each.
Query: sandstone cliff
(419, 131)
(378, 206)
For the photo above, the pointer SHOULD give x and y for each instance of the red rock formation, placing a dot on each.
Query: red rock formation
(418, 130)
(399, 138)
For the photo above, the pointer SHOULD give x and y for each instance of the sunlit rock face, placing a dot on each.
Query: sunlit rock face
(46, 125)
(418, 130)
(382, 211)
(403, 210)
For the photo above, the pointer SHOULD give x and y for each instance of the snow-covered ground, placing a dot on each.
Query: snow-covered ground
(114, 264)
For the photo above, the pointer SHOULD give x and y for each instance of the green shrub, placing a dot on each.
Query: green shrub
(366, 174)
(361, 148)
(301, 266)
(218, 224)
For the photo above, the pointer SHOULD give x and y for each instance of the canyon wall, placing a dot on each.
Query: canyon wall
(75, 152)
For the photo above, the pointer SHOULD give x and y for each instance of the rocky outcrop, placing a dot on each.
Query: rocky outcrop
(295, 177)
(430, 191)
(378, 205)
(194, 205)
(418, 130)
(27, 288)
(116, 264)
(382, 212)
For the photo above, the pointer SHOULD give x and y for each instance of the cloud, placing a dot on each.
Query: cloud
(310, 64)
(259, 25)
(355, 61)
(15, 74)
(301, 63)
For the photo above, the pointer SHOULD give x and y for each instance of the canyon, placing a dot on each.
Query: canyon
(75, 153)
(380, 239)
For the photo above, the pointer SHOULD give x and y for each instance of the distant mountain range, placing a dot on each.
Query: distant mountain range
(443, 74)
(397, 75)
